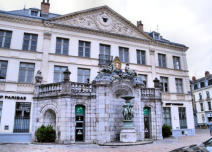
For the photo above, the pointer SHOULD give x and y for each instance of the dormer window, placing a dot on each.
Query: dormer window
(34, 12)
(156, 36)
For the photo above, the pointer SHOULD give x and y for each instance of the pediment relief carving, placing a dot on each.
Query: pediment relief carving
(102, 20)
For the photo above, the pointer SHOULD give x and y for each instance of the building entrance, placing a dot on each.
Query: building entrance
(80, 123)
(147, 122)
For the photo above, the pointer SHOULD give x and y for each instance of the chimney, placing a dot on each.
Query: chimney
(207, 74)
(193, 78)
(45, 7)
(140, 26)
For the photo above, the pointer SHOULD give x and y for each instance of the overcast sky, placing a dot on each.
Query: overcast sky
(184, 21)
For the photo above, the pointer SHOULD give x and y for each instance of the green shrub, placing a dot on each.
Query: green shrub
(166, 131)
(45, 134)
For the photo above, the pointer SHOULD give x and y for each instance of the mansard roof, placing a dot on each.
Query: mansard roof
(26, 13)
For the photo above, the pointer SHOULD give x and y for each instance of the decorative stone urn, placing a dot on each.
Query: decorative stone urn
(128, 133)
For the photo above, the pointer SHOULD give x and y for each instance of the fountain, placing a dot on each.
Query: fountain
(128, 133)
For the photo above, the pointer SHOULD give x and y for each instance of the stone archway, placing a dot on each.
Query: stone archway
(49, 118)
(119, 89)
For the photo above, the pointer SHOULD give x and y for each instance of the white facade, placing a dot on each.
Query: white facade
(44, 58)
(202, 91)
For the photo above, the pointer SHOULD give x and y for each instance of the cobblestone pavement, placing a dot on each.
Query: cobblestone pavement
(158, 146)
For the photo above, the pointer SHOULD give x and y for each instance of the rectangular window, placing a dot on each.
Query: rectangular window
(201, 107)
(182, 117)
(104, 56)
(83, 75)
(167, 116)
(209, 105)
(30, 42)
(200, 96)
(162, 60)
(1, 105)
(26, 72)
(143, 77)
(210, 82)
(176, 62)
(208, 94)
(124, 54)
(22, 117)
(141, 57)
(195, 86)
(5, 38)
(164, 84)
(62, 46)
(84, 49)
(202, 84)
(179, 85)
(58, 73)
(3, 70)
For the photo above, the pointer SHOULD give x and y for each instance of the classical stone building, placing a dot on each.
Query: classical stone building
(201, 93)
(93, 112)
(84, 41)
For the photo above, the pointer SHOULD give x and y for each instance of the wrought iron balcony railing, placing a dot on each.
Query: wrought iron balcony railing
(105, 59)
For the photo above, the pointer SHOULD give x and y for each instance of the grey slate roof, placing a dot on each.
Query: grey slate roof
(162, 40)
(26, 13)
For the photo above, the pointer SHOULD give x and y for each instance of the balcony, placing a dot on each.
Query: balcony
(61, 88)
(105, 59)
(150, 94)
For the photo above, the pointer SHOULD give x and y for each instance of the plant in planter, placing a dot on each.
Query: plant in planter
(166, 131)
(45, 134)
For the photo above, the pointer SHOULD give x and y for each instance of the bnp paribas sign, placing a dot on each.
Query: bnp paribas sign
(12, 97)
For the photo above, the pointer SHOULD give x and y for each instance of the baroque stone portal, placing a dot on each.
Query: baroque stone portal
(102, 108)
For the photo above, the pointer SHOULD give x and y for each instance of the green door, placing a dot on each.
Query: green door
(80, 123)
(147, 122)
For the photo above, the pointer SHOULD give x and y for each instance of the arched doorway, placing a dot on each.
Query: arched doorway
(80, 123)
(147, 122)
(50, 118)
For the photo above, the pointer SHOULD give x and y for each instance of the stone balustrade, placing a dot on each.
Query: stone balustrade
(150, 94)
(60, 88)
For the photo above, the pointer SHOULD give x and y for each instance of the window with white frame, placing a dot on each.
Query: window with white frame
(3, 70)
(162, 60)
(83, 75)
(143, 77)
(30, 42)
(124, 54)
(5, 38)
(200, 96)
(84, 49)
(179, 85)
(59, 73)
(209, 105)
(1, 106)
(208, 94)
(62, 46)
(176, 62)
(26, 72)
(167, 116)
(164, 83)
(141, 57)
(182, 117)
(201, 106)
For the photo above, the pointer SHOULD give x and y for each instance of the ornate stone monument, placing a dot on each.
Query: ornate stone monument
(128, 133)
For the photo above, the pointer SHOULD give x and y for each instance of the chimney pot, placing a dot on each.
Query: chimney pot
(140, 26)
(193, 78)
(45, 7)
(207, 74)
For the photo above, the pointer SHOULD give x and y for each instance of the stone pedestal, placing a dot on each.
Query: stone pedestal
(128, 133)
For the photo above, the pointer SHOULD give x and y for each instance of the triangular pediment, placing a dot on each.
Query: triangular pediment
(101, 19)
